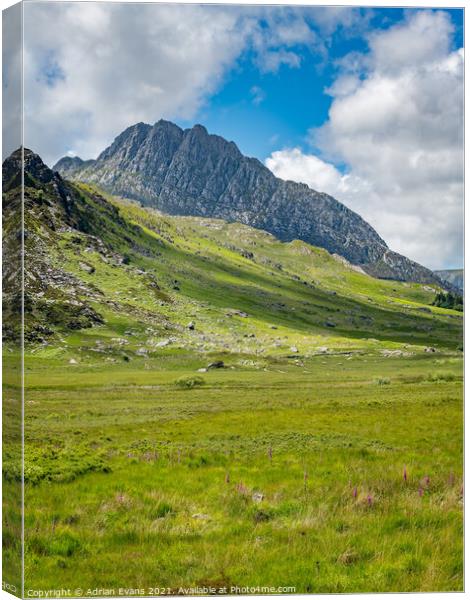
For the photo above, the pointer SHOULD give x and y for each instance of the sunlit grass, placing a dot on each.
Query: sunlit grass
(200, 484)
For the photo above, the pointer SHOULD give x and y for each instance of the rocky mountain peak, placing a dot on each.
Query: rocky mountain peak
(33, 167)
(195, 173)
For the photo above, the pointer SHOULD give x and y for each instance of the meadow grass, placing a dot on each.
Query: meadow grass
(284, 475)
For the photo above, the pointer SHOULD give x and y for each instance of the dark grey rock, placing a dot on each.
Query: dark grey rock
(219, 364)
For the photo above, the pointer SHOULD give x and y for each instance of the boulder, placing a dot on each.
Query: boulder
(218, 364)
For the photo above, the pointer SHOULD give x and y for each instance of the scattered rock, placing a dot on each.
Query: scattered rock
(162, 344)
(86, 267)
(294, 349)
(203, 370)
(218, 364)
(258, 497)
(390, 353)
(430, 349)
(201, 516)
(72, 361)
(141, 351)
(191, 326)
(120, 341)
(236, 313)
(330, 324)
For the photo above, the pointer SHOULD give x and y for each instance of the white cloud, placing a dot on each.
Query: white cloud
(396, 121)
(293, 165)
(277, 37)
(424, 38)
(257, 95)
(351, 20)
(11, 79)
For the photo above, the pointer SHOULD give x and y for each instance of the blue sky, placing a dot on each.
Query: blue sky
(363, 104)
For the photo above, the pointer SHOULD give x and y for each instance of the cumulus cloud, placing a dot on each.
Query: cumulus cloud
(11, 79)
(110, 65)
(351, 20)
(278, 36)
(293, 164)
(396, 122)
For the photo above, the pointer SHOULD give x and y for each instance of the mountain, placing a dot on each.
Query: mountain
(107, 277)
(189, 172)
(453, 276)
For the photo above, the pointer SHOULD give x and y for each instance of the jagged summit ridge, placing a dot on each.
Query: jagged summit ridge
(191, 172)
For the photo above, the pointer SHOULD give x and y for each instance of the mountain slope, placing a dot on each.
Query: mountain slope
(106, 275)
(189, 172)
(453, 276)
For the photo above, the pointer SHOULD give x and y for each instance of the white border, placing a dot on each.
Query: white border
(364, 3)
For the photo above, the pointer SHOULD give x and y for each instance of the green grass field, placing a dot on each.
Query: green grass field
(325, 456)
(291, 474)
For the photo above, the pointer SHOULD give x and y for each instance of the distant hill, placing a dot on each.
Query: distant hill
(453, 276)
(189, 172)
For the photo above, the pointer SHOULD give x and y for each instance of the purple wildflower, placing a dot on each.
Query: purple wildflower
(355, 492)
(420, 492)
(369, 500)
(405, 474)
(242, 489)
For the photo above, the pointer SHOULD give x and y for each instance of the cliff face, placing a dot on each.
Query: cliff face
(189, 172)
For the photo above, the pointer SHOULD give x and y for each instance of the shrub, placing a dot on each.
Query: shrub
(61, 544)
(189, 382)
(443, 376)
(260, 516)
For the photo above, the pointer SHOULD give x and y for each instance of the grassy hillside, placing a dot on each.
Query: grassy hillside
(207, 406)
(233, 282)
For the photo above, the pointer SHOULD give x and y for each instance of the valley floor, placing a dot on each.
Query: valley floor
(333, 473)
